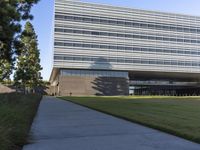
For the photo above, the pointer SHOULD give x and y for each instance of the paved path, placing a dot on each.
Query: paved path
(62, 125)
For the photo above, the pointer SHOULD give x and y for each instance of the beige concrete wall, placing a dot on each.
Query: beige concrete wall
(51, 90)
(92, 86)
(6, 89)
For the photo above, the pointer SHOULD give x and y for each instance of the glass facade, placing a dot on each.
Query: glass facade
(99, 37)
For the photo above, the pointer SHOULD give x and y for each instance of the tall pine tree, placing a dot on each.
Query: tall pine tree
(12, 12)
(28, 62)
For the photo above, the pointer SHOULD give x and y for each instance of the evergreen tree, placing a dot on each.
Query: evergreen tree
(28, 62)
(11, 13)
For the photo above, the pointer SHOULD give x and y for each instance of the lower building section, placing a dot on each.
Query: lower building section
(164, 83)
(75, 85)
(71, 82)
(90, 82)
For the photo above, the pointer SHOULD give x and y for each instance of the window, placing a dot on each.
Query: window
(194, 64)
(128, 61)
(86, 45)
(174, 63)
(193, 41)
(68, 58)
(128, 23)
(77, 31)
(151, 38)
(68, 17)
(180, 29)
(180, 63)
(180, 40)
(186, 30)
(104, 33)
(172, 28)
(136, 25)
(172, 39)
(166, 27)
(104, 21)
(95, 33)
(128, 36)
(120, 60)
(193, 30)
(158, 38)
(95, 20)
(166, 51)
(187, 63)
(68, 30)
(112, 47)
(136, 61)
(194, 52)
(87, 19)
(59, 16)
(128, 48)
(95, 46)
(86, 59)
(77, 18)
(143, 25)
(187, 40)
(136, 36)
(158, 50)
(120, 23)
(120, 35)
(86, 32)
(151, 26)
(167, 62)
(59, 44)
(144, 61)
(77, 45)
(59, 30)
(137, 49)
(104, 46)
(113, 34)
(112, 59)
(58, 57)
(187, 52)
(112, 22)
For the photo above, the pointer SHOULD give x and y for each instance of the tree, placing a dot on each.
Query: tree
(11, 13)
(28, 62)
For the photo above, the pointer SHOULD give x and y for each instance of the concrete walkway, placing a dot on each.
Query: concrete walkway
(62, 125)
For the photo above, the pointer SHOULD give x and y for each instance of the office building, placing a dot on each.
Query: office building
(103, 50)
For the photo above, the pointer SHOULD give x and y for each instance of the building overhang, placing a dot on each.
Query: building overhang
(156, 75)
(54, 74)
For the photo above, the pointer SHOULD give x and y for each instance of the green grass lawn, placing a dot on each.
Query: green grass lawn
(176, 115)
(16, 115)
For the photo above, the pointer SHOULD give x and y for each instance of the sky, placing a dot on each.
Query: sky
(43, 20)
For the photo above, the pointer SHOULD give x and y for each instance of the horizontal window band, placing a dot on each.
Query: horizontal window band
(94, 73)
(128, 61)
(127, 23)
(116, 47)
(97, 33)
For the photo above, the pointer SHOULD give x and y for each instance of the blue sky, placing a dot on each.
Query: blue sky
(43, 20)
